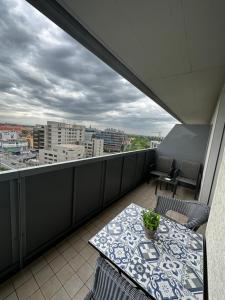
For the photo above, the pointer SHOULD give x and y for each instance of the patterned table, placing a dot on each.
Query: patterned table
(169, 267)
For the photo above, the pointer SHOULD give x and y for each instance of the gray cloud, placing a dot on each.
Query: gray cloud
(45, 74)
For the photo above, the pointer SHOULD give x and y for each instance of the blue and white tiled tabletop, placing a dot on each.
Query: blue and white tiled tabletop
(168, 267)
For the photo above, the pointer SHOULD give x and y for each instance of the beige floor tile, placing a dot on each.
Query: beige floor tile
(85, 272)
(90, 281)
(62, 246)
(37, 265)
(21, 277)
(69, 253)
(77, 262)
(81, 231)
(86, 237)
(73, 285)
(87, 252)
(65, 273)
(12, 296)
(43, 275)
(61, 295)
(27, 289)
(6, 289)
(79, 245)
(37, 296)
(57, 263)
(51, 254)
(50, 287)
(92, 259)
(82, 293)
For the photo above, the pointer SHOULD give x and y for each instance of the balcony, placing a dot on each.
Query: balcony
(175, 55)
(61, 191)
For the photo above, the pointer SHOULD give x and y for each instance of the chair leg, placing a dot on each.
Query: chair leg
(156, 187)
(196, 192)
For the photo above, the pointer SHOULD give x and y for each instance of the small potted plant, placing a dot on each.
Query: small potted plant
(151, 222)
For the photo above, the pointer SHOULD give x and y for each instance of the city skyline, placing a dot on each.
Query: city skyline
(45, 74)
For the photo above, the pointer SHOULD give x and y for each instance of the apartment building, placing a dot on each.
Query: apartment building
(113, 139)
(94, 147)
(90, 133)
(39, 136)
(62, 133)
(154, 144)
(60, 153)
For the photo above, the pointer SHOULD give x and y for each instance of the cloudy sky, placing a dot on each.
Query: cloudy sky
(47, 75)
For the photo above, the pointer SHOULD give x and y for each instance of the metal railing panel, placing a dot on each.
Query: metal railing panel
(40, 205)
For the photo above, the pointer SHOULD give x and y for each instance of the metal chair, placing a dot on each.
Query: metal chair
(109, 284)
(163, 167)
(190, 174)
(197, 212)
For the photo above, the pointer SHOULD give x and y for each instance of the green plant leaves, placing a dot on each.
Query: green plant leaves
(151, 219)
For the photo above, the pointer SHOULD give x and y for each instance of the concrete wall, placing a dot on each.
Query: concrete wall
(186, 142)
(215, 238)
(218, 121)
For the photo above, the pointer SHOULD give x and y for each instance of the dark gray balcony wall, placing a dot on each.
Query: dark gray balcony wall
(129, 168)
(113, 175)
(88, 194)
(48, 202)
(41, 205)
(9, 232)
(186, 142)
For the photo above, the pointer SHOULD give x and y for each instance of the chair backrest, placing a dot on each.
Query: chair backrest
(190, 169)
(109, 284)
(196, 212)
(164, 164)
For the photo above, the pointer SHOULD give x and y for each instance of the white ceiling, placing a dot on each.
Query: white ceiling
(175, 47)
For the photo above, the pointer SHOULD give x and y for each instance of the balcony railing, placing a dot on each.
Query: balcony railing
(41, 205)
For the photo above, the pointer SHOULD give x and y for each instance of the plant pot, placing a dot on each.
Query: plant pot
(150, 234)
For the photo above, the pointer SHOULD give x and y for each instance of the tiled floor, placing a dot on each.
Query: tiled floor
(66, 271)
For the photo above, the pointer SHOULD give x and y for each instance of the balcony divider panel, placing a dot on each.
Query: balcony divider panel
(88, 190)
(113, 178)
(9, 253)
(140, 162)
(129, 170)
(48, 207)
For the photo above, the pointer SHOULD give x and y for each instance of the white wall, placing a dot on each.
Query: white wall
(215, 238)
(213, 149)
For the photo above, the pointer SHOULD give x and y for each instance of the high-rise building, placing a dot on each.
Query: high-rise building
(113, 139)
(39, 137)
(60, 153)
(61, 133)
(94, 147)
(90, 133)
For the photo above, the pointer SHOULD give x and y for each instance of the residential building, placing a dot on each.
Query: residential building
(60, 153)
(94, 147)
(39, 137)
(90, 133)
(10, 141)
(9, 135)
(154, 144)
(18, 145)
(62, 133)
(113, 139)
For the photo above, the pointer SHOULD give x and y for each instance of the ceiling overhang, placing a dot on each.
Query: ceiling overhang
(173, 51)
